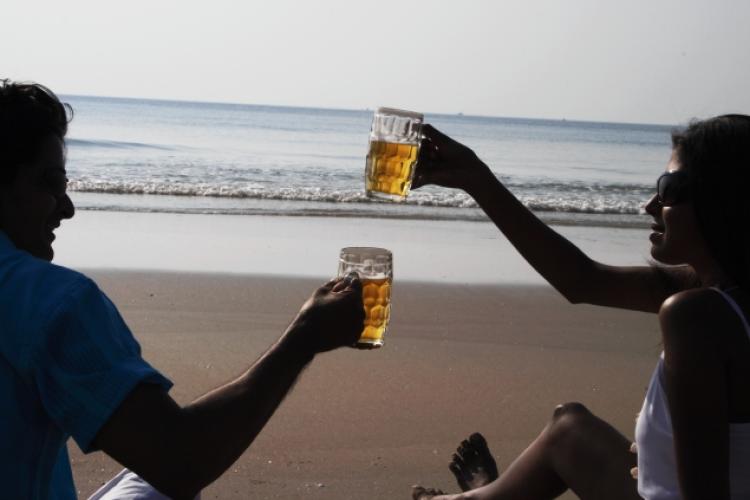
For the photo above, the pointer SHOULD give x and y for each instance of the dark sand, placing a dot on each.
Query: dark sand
(369, 424)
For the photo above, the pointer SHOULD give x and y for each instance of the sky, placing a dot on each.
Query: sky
(640, 61)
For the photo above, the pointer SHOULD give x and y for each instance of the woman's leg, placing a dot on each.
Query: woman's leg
(575, 450)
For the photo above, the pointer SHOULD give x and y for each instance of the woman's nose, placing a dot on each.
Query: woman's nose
(652, 206)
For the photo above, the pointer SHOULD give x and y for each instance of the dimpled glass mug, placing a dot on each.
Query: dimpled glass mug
(395, 137)
(374, 266)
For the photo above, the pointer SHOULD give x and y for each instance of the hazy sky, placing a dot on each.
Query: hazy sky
(653, 61)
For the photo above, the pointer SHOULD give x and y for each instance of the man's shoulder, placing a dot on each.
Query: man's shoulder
(28, 283)
(30, 270)
(34, 295)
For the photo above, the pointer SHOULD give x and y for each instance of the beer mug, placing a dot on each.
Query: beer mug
(394, 144)
(374, 266)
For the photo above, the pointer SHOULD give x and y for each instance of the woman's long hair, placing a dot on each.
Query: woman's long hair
(716, 156)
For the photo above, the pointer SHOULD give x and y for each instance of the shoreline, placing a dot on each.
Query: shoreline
(429, 251)
(271, 207)
(458, 357)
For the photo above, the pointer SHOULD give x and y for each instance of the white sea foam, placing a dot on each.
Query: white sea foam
(553, 202)
(138, 155)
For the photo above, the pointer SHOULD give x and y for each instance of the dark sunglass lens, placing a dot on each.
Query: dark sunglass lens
(670, 188)
(662, 189)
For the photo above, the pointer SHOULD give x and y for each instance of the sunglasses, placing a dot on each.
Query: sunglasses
(672, 188)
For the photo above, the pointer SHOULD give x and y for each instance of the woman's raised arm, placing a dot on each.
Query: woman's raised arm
(577, 277)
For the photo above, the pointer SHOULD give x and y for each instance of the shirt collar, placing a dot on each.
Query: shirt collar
(5, 244)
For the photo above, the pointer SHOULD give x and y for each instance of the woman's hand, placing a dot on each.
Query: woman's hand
(448, 163)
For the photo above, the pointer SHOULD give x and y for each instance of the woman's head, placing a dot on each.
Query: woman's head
(714, 155)
(33, 198)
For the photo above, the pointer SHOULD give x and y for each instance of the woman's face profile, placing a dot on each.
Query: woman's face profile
(675, 237)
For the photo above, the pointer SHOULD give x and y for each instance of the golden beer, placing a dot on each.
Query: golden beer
(376, 296)
(390, 167)
(374, 267)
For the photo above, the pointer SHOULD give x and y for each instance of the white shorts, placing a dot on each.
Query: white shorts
(128, 485)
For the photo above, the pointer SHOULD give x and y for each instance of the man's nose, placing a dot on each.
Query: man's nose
(67, 210)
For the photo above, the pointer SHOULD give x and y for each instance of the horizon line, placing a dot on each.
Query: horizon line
(460, 114)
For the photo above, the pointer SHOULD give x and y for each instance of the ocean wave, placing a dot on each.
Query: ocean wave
(570, 199)
(110, 144)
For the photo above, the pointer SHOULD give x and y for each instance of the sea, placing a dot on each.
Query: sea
(138, 155)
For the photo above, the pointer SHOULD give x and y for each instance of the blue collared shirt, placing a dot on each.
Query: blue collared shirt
(67, 361)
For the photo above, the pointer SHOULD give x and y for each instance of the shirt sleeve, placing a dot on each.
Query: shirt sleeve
(87, 363)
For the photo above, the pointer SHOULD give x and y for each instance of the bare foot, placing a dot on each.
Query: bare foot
(473, 464)
(420, 493)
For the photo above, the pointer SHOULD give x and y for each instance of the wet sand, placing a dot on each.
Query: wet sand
(368, 424)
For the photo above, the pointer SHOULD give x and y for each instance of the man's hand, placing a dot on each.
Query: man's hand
(447, 163)
(332, 317)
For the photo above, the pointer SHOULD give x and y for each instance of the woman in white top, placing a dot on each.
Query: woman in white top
(693, 433)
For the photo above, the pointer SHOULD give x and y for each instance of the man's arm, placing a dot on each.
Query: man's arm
(181, 450)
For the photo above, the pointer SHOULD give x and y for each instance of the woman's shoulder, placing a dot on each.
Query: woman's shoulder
(686, 300)
(699, 314)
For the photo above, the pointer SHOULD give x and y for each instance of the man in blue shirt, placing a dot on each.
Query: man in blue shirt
(69, 366)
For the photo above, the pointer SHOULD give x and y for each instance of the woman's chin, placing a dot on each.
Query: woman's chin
(661, 256)
(657, 248)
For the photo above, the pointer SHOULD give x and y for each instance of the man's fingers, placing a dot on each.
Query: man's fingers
(356, 284)
(350, 281)
(353, 282)
(327, 286)
(340, 285)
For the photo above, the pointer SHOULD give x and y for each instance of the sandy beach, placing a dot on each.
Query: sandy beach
(477, 342)
(368, 424)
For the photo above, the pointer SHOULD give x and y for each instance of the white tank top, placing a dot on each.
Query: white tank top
(657, 466)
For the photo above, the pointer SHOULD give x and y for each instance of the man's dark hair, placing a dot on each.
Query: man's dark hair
(29, 112)
(716, 156)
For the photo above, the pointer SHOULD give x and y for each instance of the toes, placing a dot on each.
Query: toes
(464, 445)
(468, 452)
(478, 441)
(460, 475)
(420, 493)
(455, 468)
(417, 492)
(479, 445)
(464, 449)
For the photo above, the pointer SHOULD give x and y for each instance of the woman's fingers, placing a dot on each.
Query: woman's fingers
(434, 134)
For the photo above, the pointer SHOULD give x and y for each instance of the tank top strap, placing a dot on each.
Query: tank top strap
(734, 306)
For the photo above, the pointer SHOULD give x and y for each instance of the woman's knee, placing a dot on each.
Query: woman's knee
(572, 410)
(569, 420)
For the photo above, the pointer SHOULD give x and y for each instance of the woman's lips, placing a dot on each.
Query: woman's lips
(657, 233)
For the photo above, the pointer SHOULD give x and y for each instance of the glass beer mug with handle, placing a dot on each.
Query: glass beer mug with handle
(395, 137)
(374, 266)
